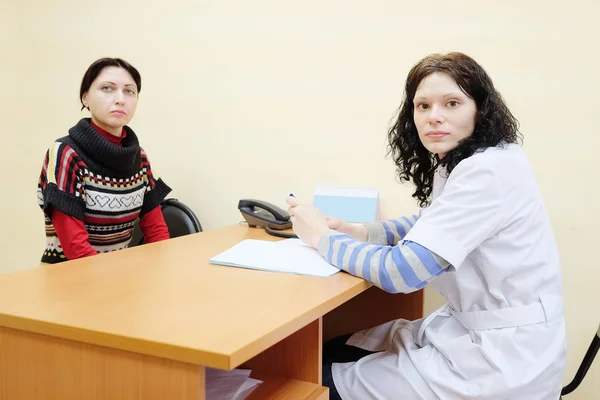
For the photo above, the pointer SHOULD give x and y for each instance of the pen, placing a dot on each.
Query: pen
(292, 195)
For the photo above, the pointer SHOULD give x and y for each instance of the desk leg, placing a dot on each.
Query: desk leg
(35, 366)
(297, 357)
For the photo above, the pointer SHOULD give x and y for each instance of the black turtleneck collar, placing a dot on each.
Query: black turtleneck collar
(97, 151)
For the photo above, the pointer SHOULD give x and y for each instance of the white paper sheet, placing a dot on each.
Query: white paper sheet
(289, 256)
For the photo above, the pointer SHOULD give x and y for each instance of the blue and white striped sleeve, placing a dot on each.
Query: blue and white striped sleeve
(403, 268)
(390, 232)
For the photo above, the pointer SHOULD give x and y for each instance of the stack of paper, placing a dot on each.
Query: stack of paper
(290, 256)
(229, 385)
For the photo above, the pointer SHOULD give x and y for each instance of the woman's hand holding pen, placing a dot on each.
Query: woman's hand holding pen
(309, 224)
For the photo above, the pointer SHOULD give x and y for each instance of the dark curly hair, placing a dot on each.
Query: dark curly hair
(494, 123)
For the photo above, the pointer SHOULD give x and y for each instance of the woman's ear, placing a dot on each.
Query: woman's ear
(84, 101)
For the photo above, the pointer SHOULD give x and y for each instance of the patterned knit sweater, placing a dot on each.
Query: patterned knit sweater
(106, 186)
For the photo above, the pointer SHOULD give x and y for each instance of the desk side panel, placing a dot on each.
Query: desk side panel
(35, 366)
(299, 356)
(371, 308)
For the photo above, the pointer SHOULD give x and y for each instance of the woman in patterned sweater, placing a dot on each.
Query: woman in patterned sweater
(96, 181)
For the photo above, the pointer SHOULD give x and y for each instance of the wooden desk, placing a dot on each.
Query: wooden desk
(143, 323)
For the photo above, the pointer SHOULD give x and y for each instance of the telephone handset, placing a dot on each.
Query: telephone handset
(272, 218)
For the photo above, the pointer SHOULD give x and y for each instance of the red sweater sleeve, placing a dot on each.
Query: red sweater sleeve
(72, 234)
(153, 226)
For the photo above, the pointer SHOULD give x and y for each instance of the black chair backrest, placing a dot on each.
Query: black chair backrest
(180, 220)
(585, 365)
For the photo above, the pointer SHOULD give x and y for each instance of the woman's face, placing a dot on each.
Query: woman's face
(112, 99)
(443, 114)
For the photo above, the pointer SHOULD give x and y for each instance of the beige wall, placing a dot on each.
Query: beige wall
(259, 99)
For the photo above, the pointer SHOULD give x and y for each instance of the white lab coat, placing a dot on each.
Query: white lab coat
(501, 335)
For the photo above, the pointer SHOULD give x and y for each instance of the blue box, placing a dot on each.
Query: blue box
(352, 204)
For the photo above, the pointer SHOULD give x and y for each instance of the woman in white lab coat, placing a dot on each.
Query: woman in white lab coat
(482, 239)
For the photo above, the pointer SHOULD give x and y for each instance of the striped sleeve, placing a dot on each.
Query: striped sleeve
(156, 189)
(61, 183)
(390, 232)
(403, 268)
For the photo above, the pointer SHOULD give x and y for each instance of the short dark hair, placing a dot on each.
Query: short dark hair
(97, 66)
(494, 123)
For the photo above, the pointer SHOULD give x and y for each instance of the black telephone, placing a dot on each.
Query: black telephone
(272, 218)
